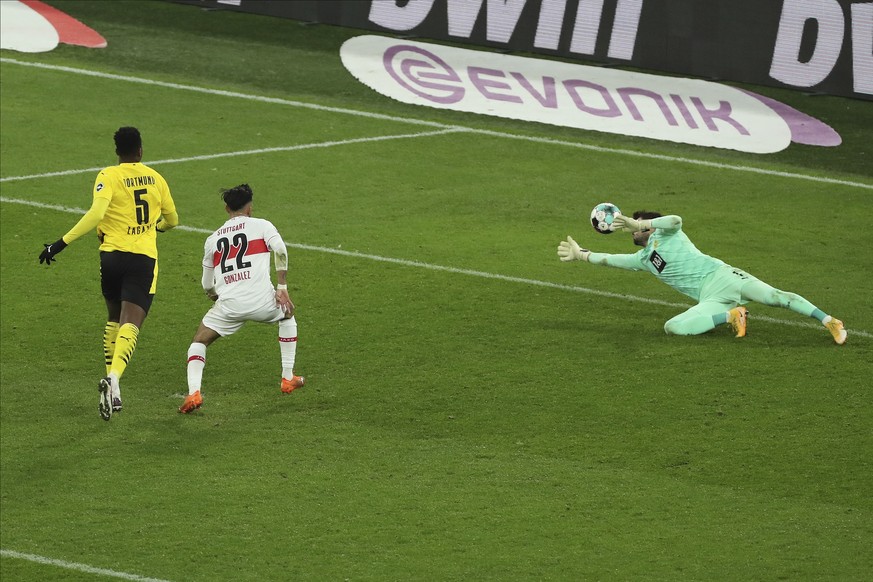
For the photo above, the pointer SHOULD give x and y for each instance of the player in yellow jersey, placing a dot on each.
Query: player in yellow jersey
(132, 202)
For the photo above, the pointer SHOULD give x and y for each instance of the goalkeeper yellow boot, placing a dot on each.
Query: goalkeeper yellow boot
(192, 403)
(737, 320)
(835, 326)
(289, 386)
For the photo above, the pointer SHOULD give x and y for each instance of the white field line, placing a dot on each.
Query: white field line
(77, 566)
(278, 101)
(458, 271)
(323, 144)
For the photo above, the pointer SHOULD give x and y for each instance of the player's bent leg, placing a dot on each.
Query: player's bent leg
(196, 363)
(701, 318)
(684, 324)
(125, 344)
(768, 295)
(288, 352)
(110, 332)
(761, 292)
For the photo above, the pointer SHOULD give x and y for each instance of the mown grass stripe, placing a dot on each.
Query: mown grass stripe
(460, 271)
(322, 144)
(410, 120)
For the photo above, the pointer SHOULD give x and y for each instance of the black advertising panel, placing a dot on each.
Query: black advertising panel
(819, 46)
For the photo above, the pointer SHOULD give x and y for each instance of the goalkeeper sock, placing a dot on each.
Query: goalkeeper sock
(125, 344)
(820, 315)
(288, 346)
(196, 363)
(110, 332)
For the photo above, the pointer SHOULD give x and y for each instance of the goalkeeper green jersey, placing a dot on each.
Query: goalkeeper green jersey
(138, 196)
(671, 257)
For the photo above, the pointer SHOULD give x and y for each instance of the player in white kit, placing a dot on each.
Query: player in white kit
(236, 275)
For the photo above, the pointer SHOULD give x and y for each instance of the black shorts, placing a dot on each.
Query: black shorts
(127, 277)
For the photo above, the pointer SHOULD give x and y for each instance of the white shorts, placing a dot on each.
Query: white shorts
(227, 319)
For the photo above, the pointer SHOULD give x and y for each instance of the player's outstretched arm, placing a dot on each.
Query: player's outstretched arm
(569, 250)
(86, 224)
(628, 224)
(669, 222)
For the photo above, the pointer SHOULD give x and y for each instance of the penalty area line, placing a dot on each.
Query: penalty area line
(323, 144)
(77, 566)
(458, 271)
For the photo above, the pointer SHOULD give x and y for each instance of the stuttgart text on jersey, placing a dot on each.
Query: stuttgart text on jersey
(231, 228)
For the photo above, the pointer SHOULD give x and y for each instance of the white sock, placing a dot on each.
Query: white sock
(288, 346)
(196, 363)
(826, 319)
(116, 387)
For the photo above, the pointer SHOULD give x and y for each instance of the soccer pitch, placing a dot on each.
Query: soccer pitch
(475, 409)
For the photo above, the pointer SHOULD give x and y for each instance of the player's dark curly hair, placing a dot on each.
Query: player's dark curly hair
(237, 197)
(646, 214)
(127, 141)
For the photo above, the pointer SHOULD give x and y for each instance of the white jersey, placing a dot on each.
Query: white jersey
(239, 254)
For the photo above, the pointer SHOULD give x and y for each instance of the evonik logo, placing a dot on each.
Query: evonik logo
(591, 98)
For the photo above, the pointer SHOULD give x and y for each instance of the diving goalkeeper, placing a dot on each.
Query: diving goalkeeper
(719, 289)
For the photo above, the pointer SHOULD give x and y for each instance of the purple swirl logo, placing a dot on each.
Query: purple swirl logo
(423, 73)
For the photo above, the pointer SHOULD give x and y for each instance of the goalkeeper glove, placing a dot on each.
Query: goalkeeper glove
(569, 250)
(50, 250)
(626, 223)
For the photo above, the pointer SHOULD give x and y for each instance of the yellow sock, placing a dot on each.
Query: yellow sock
(110, 332)
(125, 343)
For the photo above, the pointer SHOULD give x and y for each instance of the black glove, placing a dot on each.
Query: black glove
(48, 254)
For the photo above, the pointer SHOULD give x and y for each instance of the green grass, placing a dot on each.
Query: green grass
(455, 426)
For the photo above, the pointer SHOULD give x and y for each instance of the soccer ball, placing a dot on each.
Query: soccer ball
(602, 216)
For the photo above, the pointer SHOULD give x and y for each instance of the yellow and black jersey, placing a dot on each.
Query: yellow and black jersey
(137, 196)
